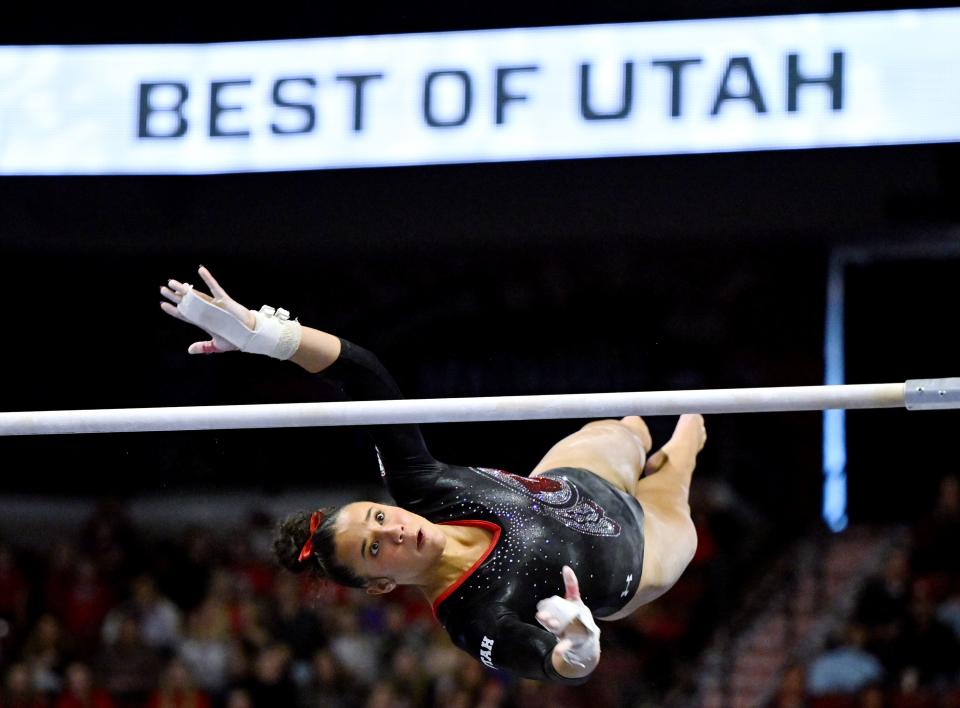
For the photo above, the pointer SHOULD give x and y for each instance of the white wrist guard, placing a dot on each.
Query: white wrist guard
(584, 643)
(274, 333)
(585, 652)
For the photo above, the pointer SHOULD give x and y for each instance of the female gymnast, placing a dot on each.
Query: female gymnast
(586, 535)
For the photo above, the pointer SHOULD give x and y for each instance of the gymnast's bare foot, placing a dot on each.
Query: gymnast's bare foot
(691, 432)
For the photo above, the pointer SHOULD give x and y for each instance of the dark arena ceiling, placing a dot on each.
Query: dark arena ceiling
(219, 22)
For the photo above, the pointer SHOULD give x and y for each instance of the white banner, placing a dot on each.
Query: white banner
(560, 92)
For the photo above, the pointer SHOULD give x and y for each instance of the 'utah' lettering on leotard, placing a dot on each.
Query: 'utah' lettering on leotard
(486, 652)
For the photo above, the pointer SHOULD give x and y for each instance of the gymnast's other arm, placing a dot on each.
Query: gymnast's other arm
(577, 653)
(566, 649)
(232, 326)
(316, 350)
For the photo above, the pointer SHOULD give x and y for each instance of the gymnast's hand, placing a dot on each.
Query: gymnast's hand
(231, 326)
(176, 291)
(571, 620)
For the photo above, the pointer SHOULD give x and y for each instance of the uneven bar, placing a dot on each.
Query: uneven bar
(450, 410)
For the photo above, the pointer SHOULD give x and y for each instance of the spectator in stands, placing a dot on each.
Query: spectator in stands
(46, 653)
(294, 624)
(177, 689)
(949, 612)
(110, 537)
(929, 647)
(187, 578)
(329, 686)
(87, 601)
(239, 665)
(407, 675)
(127, 666)
(440, 658)
(239, 698)
(355, 650)
(249, 626)
(159, 618)
(394, 631)
(793, 688)
(492, 696)
(383, 695)
(13, 589)
(882, 609)
(844, 667)
(18, 690)
(207, 646)
(80, 691)
(470, 677)
(937, 535)
(872, 697)
(271, 685)
(885, 597)
(254, 575)
(58, 579)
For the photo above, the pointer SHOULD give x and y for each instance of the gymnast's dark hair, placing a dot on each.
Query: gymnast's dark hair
(294, 531)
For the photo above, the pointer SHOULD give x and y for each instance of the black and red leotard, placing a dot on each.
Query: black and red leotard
(565, 516)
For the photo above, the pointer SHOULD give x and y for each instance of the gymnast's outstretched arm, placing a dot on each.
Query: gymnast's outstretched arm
(316, 351)
(232, 327)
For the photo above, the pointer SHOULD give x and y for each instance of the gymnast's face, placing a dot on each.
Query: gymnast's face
(387, 544)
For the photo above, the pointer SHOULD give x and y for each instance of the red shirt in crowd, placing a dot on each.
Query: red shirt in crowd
(97, 698)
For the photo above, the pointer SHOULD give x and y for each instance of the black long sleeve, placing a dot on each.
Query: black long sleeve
(364, 378)
(498, 638)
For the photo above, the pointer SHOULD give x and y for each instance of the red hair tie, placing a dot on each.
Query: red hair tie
(307, 550)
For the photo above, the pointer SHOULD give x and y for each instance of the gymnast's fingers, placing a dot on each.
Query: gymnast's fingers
(563, 646)
(170, 294)
(218, 292)
(548, 621)
(571, 583)
(183, 288)
(179, 288)
(208, 347)
(171, 310)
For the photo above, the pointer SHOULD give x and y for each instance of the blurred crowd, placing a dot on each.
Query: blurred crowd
(112, 616)
(110, 619)
(901, 645)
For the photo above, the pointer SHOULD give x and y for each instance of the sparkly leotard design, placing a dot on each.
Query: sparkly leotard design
(565, 516)
(585, 516)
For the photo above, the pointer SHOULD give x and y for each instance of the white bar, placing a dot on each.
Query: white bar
(449, 410)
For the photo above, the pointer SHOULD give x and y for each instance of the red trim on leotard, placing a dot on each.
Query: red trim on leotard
(489, 526)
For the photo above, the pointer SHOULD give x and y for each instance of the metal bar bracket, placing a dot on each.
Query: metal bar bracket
(932, 394)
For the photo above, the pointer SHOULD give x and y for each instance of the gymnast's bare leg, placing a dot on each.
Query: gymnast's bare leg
(616, 450)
